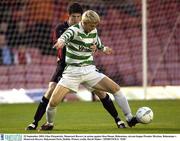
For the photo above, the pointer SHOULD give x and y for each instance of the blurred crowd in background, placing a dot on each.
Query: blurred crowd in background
(27, 35)
(31, 23)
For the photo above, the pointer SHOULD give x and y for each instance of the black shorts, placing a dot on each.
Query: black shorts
(58, 72)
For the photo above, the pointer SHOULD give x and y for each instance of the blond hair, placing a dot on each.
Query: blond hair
(90, 16)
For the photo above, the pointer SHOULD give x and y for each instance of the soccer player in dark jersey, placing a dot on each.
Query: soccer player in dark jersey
(75, 12)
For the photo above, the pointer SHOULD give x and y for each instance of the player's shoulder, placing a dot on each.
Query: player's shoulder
(75, 28)
(62, 26)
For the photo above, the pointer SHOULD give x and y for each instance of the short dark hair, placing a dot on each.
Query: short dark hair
(75, 8)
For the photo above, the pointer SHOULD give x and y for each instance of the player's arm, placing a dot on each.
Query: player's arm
(105, 49)
(58, 31)
(64, 38)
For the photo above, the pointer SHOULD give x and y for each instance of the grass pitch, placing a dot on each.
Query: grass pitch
(91, 118)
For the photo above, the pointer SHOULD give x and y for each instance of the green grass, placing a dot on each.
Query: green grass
(91, 118)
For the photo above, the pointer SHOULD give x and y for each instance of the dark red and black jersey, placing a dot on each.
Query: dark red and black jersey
(58, 32)
(61, 53)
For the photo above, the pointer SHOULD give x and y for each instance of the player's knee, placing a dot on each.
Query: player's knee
(50, 90)
(115, 89)
(53, 103)
(100, 94)
(52, 86)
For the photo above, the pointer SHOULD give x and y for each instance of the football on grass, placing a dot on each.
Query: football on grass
(144, 115)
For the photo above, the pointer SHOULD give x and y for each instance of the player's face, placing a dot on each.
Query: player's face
(74, 18)
(89, 26)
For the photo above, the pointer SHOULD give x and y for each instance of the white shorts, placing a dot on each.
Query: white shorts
(86, 75)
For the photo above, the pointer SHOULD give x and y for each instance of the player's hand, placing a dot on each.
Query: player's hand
(108, 50)
(93, 48)
(59, 44)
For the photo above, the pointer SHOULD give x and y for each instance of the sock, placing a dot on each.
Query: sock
(109, 106)
(40, 110)
(123, 104)
(50, 114)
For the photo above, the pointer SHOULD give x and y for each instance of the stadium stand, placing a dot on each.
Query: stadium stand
(120, 29)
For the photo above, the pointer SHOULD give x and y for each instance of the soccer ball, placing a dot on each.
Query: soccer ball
(144, 115)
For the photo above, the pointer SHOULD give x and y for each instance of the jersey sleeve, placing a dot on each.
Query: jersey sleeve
(98, 42)
(67, 35)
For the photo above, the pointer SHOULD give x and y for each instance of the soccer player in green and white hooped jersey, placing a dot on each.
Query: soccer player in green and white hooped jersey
(75, 12)
(81, 41)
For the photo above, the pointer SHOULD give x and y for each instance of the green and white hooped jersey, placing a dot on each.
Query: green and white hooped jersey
(77, 42)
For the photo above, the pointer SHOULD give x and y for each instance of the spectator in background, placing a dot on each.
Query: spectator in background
(16, 34)
(18, 41)
(6, 56)
(21, 56)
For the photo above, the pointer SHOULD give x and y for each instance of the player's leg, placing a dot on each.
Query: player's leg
(67, 84)
(41, 109)
(106, 84)
(109, 106)
(44, 102)
(57, 96)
